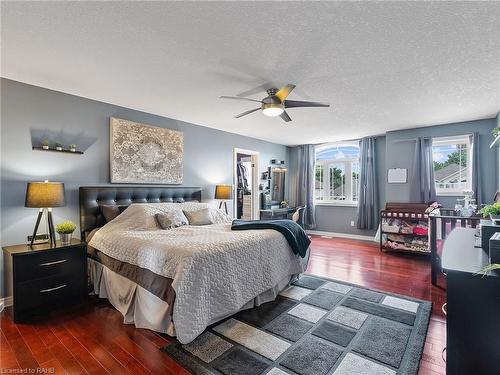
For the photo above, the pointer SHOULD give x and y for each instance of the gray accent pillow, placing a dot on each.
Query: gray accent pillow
(200, 217)
(171, 219)
(111, 211)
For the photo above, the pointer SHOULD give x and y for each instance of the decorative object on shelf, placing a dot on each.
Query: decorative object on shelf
(45, 144)
(45, 196)
(41, 148)
(65, 230)
(284, 204)
(59, 146)
(224, 193)
(72, 147)
(493, 211)
(433, 209)
(142, 153)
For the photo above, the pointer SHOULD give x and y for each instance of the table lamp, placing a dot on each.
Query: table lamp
(44, 196)
(224, 193)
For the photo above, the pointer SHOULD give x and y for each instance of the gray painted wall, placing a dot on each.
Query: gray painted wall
(400, 151)
(29, 111)
(395, 150)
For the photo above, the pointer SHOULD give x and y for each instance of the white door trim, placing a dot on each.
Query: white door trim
(255, 180)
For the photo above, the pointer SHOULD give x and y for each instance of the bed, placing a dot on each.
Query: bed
(179, 281)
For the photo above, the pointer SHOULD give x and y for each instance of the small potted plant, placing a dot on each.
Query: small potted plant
(59, 146)
(493, 211)
(496, 131)
(45, 144)
(72, 147)
(65, 230)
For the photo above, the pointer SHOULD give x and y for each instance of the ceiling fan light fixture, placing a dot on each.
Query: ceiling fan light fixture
(272, 109)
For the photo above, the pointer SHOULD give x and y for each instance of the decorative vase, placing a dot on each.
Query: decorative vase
(495, 219)
(72, 149)
(45, 147)
(59, 148)
(65, 238)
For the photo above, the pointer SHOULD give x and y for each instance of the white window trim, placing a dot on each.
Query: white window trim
(437, 141)
(348, 161)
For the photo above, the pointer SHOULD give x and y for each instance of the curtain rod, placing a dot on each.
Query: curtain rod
(443, 136)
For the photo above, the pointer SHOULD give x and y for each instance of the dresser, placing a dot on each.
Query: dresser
(44, 277)
(473, 307)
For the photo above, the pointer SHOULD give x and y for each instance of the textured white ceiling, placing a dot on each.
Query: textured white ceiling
(381, 65)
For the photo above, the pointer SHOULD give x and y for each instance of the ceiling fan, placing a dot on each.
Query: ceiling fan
(275, 103)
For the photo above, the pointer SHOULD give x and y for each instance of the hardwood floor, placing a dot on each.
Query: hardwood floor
(92, 339)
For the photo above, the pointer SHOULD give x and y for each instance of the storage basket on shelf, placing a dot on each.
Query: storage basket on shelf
(404, 227)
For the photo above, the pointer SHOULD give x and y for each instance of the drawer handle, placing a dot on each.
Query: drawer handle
(52, 289)
(51, 263)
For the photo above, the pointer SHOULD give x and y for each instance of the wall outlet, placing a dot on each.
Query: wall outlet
(352, 223)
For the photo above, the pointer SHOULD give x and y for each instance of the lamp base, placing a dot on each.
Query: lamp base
(52, 233)
(225, 206)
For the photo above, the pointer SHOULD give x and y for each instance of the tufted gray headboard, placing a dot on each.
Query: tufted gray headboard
(93, 196)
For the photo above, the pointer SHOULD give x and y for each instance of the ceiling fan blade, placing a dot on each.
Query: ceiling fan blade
(285, 117)
(246, 113)
(300, 103)
(240, 98)
(285, 91)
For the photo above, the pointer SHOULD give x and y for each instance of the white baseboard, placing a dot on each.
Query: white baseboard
(5, 302)
(342, 235)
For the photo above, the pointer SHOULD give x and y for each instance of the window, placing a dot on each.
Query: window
(452, 164)
(337, 174)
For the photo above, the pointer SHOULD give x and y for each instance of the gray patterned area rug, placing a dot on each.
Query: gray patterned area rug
(315, 327)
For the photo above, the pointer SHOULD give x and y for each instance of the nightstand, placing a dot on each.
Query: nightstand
(44, 277)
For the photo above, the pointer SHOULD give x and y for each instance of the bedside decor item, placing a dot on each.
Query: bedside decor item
(144, 154)
(45, 196)
(59, 146)
(45, 144)
(65, 230)
(224, 193)
(72, 147)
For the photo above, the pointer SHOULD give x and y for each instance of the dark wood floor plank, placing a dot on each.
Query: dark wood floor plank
(60, 352)
(91, 337)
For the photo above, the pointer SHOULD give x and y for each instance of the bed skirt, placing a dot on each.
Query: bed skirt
(145, 310)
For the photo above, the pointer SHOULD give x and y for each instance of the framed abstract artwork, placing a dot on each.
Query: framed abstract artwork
(145, 154)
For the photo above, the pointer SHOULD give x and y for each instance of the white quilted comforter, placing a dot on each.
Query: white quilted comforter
(215, 271)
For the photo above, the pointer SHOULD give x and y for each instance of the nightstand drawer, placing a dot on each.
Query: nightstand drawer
(50, 263)
(49, 291)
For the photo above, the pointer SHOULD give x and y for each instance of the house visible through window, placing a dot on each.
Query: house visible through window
(337, 173)
(452, 164)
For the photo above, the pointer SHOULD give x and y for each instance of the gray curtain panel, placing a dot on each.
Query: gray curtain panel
(368, 197)
(302, 182)
(422, 188)
(476, 175)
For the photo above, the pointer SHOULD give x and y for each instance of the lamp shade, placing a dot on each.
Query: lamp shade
(223, 191)
(44, 194)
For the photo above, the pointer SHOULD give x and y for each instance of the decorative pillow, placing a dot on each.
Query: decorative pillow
(111, 211)
(171, 219)
(219, 216)
(199, 217)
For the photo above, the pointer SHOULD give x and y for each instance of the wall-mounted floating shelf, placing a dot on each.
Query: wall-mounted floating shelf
(54, 150)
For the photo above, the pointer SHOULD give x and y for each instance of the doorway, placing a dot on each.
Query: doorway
(246, 183)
